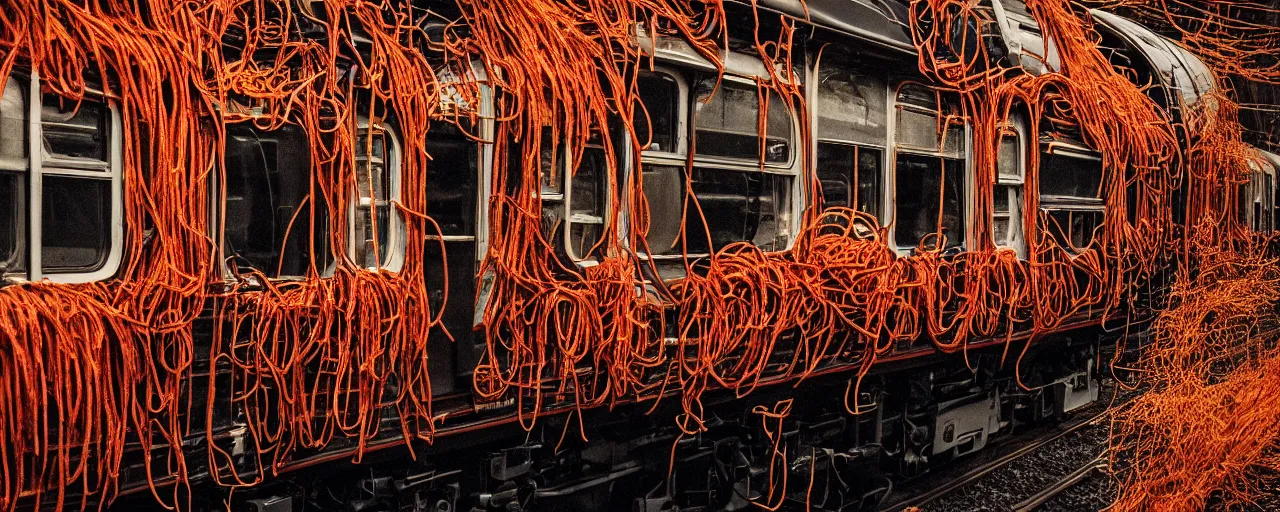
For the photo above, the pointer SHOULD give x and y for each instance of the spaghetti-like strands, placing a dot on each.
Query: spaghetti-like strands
(1235, 37)
(321, 358)
(1210, 417)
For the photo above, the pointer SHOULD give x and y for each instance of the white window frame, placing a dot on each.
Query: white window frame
(36, 170)
(677, 158)
(1015, 187)
(393, 261)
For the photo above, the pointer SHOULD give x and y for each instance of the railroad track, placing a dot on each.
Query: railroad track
(1064, 483)
(987, 468)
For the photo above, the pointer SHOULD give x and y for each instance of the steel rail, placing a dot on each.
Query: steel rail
(1064, 483)
(977, 473)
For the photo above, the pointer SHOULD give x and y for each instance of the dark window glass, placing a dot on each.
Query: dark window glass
(1069, 176)
(586, 211)
(451, 179)
(271, 195)
(75, 224)
(1001, 198)
(732, 206)
(1268, 200)
(660, 95)
(728, 124)
(918, 95)
(74, 130)
(12, 222)
(834, 164)
(841, 165)
(1074, 228)
(926, 184)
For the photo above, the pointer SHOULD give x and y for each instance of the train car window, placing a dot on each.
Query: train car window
(1074, 229)
(76, 190)
(74, 133)
(76, 177)
(727, 122)
(850, 176)
(660, 97)
(929, 178)
(664, 192)
(1006, 222)
(930, 199)
(575, 218)
(1261, 196)
(276, 219)
(451, 179)
(1069, 176)
(13, 127)
(927, 126)
(851, 130)
(378, 227)
(732, 206)
(1070, 195)
(718, 203)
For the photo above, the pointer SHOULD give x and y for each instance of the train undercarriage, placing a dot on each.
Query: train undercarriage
(912, 416)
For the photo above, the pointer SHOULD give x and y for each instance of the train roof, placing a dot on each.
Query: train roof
(1182, 71)
(883, 22)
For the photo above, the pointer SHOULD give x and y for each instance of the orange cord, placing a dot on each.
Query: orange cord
(87, 367)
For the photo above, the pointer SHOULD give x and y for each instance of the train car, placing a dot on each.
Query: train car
(845, 136)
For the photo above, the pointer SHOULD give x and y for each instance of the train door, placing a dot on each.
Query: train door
(456, 190)
(451, 254)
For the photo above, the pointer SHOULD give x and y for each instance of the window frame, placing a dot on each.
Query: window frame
(732, 163)
(678, 158)
(681, 159)
(218, 217)
(1015, 186)
(894, 105)
(392, 159)
(1071, 204)
(882, 205)
(30, 236)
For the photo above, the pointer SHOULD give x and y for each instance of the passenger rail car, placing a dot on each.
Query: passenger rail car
(881, 141)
